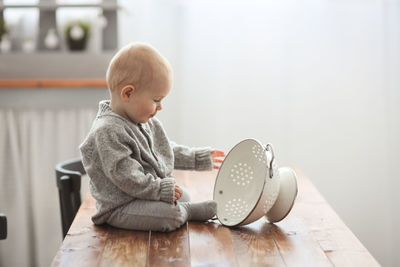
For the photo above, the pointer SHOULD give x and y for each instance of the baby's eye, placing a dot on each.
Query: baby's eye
(157, 101)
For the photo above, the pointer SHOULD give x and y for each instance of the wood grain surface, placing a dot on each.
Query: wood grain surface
(169, 249)
(311, 235)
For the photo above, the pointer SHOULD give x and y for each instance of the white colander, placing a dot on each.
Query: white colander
(287, 195)
(248, 184)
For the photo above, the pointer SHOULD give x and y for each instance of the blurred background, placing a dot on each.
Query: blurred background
(319, 79)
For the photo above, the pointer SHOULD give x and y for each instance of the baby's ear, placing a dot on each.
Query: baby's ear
(127, 92)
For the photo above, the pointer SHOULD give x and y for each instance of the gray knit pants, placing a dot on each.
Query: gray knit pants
(150, 215)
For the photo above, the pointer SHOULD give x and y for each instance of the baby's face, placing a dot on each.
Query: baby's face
(145, 104)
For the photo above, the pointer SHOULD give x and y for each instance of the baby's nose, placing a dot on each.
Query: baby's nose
(159, 106)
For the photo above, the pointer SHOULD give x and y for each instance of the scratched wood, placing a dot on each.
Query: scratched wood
(339, 244)
(296, 245)
(210, 245)
(312, 235)
(254, 245)
(169, 249)
(125, 248)
(84, 243)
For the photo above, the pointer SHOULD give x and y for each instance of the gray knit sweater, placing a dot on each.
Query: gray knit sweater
(127, 161)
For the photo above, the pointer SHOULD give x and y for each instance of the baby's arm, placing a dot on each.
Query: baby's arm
(187, 158)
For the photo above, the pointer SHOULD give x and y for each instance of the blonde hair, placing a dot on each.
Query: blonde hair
(135, 64)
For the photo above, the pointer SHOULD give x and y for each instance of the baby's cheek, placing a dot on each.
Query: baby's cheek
(153, 108)
(146, 111)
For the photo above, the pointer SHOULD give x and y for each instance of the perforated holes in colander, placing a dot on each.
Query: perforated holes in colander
(236, 208)
(259, 153)
(241, 174)
(270, 201)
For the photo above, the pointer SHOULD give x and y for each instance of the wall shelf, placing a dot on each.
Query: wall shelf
(47, 19)
(55, 65)
(61, 63)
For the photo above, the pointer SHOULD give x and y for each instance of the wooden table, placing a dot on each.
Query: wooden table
(311, 235)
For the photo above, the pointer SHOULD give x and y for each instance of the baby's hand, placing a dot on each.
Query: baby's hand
(215, 155)
(178, 193)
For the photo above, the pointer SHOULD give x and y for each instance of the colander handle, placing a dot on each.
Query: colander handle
(268, 147)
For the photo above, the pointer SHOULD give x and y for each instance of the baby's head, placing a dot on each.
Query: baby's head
(138, 78)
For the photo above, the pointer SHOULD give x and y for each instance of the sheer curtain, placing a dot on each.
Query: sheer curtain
(32, 141)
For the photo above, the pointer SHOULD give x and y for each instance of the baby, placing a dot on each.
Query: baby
(128, 156)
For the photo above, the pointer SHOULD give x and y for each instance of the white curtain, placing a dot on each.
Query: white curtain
(32, 141)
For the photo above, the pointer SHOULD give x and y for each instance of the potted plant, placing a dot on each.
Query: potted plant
(5, 42)
(77, 33)
(3, 28)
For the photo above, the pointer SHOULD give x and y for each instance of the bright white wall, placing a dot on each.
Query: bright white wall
(318, 79)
